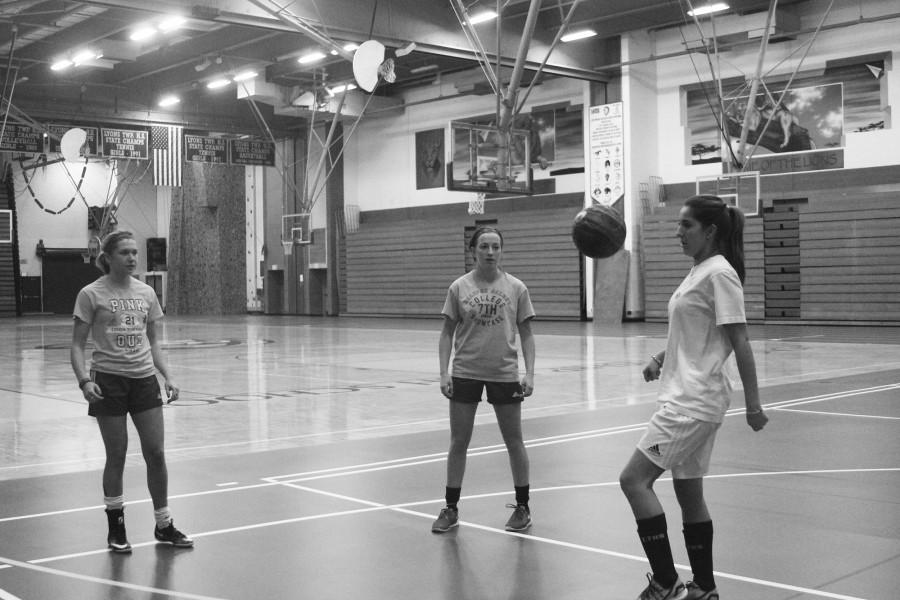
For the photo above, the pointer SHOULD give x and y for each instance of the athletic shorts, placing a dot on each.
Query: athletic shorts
(679, 443)
(468, 391)
(123, 395)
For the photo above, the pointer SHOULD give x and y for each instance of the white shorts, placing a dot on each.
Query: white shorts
(679, 443)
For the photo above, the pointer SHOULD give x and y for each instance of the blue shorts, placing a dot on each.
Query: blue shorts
(123, 395)
(468, 391)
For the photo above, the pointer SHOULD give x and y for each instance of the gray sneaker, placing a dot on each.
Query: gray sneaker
(695, 592)
(520, 520)
(447, 520)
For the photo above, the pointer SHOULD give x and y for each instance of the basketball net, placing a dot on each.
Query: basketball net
(288, 247)
(476, 204)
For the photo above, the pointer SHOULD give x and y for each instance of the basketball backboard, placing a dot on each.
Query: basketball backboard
(482, 159)
(738, 189)
(295, 229)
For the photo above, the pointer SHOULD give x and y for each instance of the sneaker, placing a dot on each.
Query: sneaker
(655, 591)
(447, 520)
(170, 535)
(695, 592)
(116, 540)
(520, 520)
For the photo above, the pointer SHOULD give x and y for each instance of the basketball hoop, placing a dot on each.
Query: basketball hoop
(476, 204)
(351, 218)
(288, 247)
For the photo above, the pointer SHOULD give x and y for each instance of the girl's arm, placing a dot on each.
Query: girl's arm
(743, 354)
(159, 361)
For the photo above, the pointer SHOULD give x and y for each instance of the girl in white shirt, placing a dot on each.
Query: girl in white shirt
(706, 325)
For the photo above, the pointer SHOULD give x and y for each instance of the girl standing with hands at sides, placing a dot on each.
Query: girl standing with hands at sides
(120, 314)
(482, 313)
(706, 325)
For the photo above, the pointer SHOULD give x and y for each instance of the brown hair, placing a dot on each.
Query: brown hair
(480, 232)
(108, 246)
(729, 222)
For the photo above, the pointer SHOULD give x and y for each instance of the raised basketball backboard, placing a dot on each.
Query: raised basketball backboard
(738, 189)
(295, 229)
(482, 159)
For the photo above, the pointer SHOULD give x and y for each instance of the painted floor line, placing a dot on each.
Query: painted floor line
(100, 580)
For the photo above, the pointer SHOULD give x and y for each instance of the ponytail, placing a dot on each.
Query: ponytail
(729, 221)
(108, 246)
(732, 246)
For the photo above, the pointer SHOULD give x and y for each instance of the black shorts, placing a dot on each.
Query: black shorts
(468, 391)
(123, 395)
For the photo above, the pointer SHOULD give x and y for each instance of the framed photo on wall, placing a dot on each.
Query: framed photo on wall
(429, 159)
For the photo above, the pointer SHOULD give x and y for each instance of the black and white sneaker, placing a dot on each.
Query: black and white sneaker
(117, 541)
(170, 535)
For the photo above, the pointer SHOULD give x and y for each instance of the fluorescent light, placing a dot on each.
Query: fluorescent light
(351, 47)
(217, 83)
(487, 15)
(578, 35)
(423, 69)
(311, 58)
(340, 89)
(709, 8)
(142, 33)
(61, 65)
(244, 76)
(83, 56)
(171, 24)
(169, 101)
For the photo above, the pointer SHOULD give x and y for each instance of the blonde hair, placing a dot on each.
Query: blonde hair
(108, 246)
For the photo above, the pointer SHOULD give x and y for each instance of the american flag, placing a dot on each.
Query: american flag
(165, 145)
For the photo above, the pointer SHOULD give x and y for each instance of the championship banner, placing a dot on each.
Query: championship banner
(22, 139)
(199, 148)
(125, 143)
(251, 152)
(58, 131)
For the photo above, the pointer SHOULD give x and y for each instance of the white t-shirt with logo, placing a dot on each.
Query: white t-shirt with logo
(487, 319)
(694, 381)
(118, 318)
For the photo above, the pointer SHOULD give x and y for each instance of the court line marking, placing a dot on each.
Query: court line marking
(430, 458)
(4, 595)
(370, 506)
(486, 418)
(550, 541)
(837, 414)
(110, 582)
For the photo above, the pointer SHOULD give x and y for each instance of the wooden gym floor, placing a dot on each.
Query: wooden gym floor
(306, 458)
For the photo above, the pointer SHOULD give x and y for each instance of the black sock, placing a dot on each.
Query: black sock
(698, 537)
(655, 540)
(522, 494)
(452, 496)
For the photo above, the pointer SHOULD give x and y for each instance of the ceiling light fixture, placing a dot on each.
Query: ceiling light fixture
(578, 35)
(351, 47)
(483, 17)
(244, 76)
(83, 56)
(61, 65)
(217, 83)
(171, 24)
(340, 89)
(169, 100)
(145, 32)
(423, 69)
(708, 9)
(311, 58)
